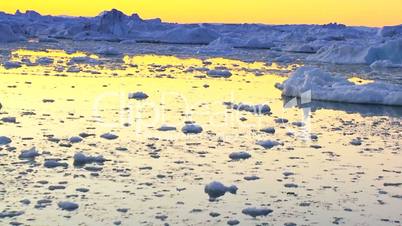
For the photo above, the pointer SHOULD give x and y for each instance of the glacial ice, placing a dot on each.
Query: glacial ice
(239, 155)
(68, 206)
(325, 86)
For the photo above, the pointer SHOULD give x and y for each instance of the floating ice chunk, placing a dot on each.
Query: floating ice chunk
(10, 214)
(108, 51)
(256, 212)
(109, 136)
(219, 73)
(11, 64)
(73, 69)
(82, 159)
(167, 128)
(251, 178)
(270, 130)
(332, 87)
(233, 222)
(191, 129)
(256, 109)
(75, 139)
(268, 144)
(9, 119)
(356, 142)
(69, 206)
(216, 189)
(44, 61)
(355, 53)
(4, 140)
(239, 155)
(83, 60)
(29, 154)
(54, 163)
(138, 96)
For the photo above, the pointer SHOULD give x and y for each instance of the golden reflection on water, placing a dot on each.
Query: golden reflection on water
(64, 104)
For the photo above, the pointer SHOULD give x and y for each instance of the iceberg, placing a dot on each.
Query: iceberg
(325, 86)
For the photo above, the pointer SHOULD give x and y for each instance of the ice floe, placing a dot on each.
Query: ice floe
(324, 86)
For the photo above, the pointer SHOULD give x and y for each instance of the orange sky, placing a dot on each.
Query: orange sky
(351, 12)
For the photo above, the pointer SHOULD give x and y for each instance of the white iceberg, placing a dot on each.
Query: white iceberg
(325, 86)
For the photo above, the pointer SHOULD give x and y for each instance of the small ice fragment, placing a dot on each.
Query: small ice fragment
(11, 64)
(216, 189)
(82, 159)
(268, 130)
(239, 155)
(281, 120)
(256, 212)
(268, 144)
(138, 96)
(69, 206)
(219, 73)
(109, 136)
(191, 129)
(233, 222)
(356, 142)
(251, 177)
(10, 214)
(108, 51)
(75, 139)
(29, 154)
(9, 120)
(167, 128)
(4, 140)
(54, 163)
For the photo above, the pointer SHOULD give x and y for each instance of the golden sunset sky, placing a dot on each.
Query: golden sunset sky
(351, 12)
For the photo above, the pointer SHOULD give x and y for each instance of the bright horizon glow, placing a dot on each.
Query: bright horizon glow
(350, 12)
